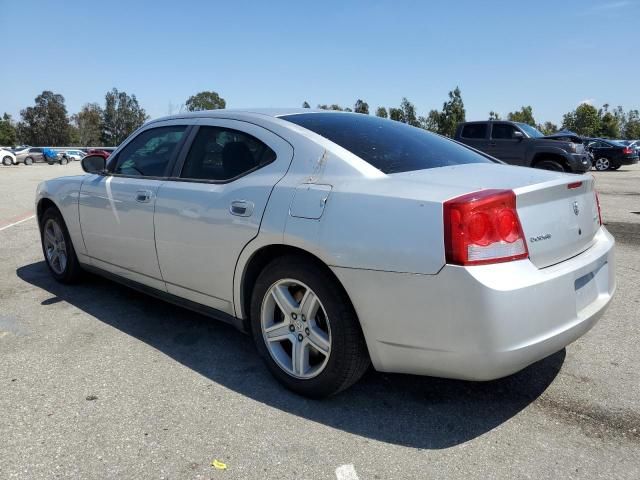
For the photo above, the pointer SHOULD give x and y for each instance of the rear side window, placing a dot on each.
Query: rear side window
(220, 154)
(502, 131)
(388, 145)
(475, 130)
(149, 154)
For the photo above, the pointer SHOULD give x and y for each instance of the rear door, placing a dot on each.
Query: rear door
(116, 210)
(475, 135)
(213, 205)
(505, 146)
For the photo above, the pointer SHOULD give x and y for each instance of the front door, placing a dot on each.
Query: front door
(213, 207)
(116, 210)
(505, 146)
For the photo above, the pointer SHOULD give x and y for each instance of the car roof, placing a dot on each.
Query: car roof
(243, 112)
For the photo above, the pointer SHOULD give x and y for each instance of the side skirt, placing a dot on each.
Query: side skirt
(238, 323)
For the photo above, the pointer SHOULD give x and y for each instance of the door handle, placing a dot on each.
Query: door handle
(241, 208)
(143, 196)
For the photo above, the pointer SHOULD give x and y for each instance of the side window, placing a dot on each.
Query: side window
(35, 150)
(502, 131)
(149, 153)
(475, 130)
(221, 154)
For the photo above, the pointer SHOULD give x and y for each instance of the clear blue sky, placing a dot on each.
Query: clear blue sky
(503, 54)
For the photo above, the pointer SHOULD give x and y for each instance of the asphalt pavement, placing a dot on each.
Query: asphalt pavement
(99, 382)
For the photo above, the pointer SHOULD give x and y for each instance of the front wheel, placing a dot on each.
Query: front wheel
(57, 248)
(6, 161)
(28, 161)
(601, 164)
(63, 161)
(306, 329)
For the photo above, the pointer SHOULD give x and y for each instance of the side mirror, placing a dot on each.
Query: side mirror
(518, 135)
(94, 164)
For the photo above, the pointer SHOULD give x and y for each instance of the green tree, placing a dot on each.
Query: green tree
(409, 115)
(395, 114)
(452, 114)
(361, 107)
(122, 115)
(207, 100)
(609, 126)
(548, 128)
(336, 107)
(46, 123)
(306, 105)
(431, 122)
(323, 106)
(8, 134)
(494, 115)
(632, 125)
(88, 124)
(584, 120)
(382, 112)
(524, 115)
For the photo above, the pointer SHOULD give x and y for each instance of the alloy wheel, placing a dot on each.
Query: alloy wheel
(602, 164)
(295, 328)
(55, 246)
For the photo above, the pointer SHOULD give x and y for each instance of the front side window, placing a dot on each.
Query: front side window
(149, 154)
(503, 131)
(220, 154)
(475, 130)
(388, 145)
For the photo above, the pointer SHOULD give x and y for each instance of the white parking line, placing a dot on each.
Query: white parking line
(16, 223)
(346, 472)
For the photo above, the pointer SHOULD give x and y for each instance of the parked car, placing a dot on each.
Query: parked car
(103, 153)
(29, 155)
(74, 154)
(521, 144)
(52, 156)
(611, 155)
(339, 239)
(7, 157)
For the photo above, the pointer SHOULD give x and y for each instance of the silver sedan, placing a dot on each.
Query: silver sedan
(340, 240)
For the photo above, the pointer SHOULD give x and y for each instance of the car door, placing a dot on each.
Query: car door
(36, 154)
(504, 145)
(476, 135)
(116, 209)
(212, 207)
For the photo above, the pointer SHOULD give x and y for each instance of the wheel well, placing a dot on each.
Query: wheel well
(259, 261)
(551, 156)
(43, 205)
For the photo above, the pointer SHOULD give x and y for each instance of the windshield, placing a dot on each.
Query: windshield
(388, 145)
(533, 132)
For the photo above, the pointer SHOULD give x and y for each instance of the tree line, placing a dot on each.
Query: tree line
(47, 122)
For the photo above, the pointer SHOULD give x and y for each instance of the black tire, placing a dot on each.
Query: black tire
(550, 165)
(50, 163)
(73, 271)
(602, 164)
(348, 359)
(6, 161)
(64, 161)
(28, 161)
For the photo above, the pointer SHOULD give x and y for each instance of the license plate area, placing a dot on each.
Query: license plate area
(590, 286)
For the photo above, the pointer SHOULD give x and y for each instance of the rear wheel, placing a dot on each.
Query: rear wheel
(305, 328)
(6, 161)
(601, 164)
(57, 248)
(63, 161)
(28, 161)
(550, 165)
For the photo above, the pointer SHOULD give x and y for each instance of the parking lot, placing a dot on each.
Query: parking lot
(98, 381)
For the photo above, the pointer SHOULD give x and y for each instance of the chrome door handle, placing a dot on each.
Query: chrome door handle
(143, 196)
(241, 208)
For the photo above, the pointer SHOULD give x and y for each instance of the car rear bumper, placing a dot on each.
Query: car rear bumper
(483, 322)
(630, 160)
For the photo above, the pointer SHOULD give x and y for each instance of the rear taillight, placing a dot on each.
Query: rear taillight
(627, 151)
(598, 204)
(483, 227)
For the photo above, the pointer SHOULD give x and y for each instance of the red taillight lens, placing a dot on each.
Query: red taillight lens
(483, 227)
(627, 151)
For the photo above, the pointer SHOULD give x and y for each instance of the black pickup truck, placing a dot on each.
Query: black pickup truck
(521, 144)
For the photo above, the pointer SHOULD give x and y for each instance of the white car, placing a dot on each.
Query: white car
(7, 157)
(340, 240)
(74, 154)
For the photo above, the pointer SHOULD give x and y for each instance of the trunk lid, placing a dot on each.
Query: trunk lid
(558, 222)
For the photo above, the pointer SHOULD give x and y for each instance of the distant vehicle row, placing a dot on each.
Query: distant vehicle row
(29, 155)
(521, 144)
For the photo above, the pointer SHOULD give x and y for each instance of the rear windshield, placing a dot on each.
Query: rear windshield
(388, 145)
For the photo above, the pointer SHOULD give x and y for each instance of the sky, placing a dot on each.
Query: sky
(551, 55)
